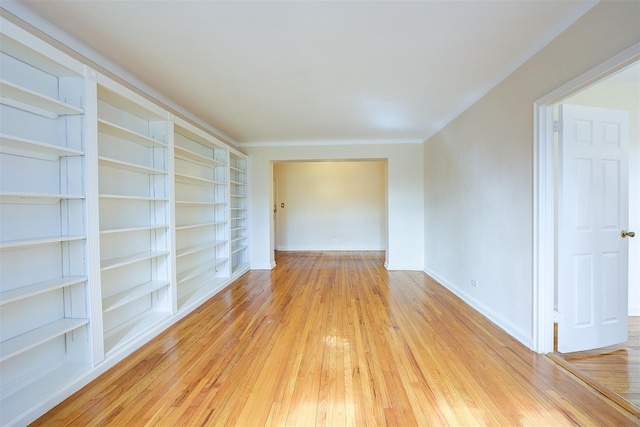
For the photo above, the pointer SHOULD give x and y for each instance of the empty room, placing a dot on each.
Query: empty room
(270, 213)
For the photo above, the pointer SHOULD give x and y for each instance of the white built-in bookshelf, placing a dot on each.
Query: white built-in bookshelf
(44, 315)
(239, 232)
(202, 257)
(133, 189)
(116, 220)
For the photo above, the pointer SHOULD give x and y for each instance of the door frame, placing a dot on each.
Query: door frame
(274, 214)
(544, 203)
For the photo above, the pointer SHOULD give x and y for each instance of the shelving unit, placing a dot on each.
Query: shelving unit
(201, 215)
(134, 137)
(238, 221)
(116, 220)
(44, 327)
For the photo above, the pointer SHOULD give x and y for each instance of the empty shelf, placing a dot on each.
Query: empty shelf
(108, 264)
(14, 346)
(34, 149)
(37, 198)
(184, 154)
(199, 248)
(128, 135)
(131, 167)
(38, 241)
(39, 288)
(34, 102)
(132, 294)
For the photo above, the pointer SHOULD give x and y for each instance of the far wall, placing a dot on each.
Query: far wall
(330, 205)
(405, 192)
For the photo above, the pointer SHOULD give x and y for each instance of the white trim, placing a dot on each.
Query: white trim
(543, 193)
(263, 266)
(498, 320)
(593, 76)
(331, 249)
(331, 142)
(403, 267)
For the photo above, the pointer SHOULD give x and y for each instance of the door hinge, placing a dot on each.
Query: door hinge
(557, 126)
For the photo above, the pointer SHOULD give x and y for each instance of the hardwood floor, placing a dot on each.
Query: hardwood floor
(613, 370)
(335, 339)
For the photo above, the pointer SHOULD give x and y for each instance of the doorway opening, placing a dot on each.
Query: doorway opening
(330, 205)
(598, 89)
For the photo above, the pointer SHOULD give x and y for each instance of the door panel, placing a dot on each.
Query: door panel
(593, 209)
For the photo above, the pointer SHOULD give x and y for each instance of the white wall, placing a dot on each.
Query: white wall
(331, 205)
(624, 96)
(405, 194)
(479, 173)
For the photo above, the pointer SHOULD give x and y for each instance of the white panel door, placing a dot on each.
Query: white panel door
(593, 212)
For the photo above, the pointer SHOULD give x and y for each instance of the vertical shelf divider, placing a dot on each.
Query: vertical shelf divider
(93, 223)
(172, 214)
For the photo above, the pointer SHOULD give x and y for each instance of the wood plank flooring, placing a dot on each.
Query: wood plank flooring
(334, 339)
(614, 370)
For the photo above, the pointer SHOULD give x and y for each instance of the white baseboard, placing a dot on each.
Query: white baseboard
(634, 311)
(263, 266)
(331, 249)
(487, 312)
(406, 267)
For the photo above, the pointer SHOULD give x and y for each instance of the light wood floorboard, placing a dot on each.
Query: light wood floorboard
(332, 338)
